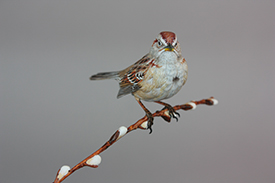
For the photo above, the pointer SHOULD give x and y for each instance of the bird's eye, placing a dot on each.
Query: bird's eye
(159, 43)
(176, 44)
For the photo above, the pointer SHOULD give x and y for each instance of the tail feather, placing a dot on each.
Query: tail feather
(105, 75)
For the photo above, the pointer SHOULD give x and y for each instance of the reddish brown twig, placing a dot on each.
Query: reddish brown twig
(94, 159)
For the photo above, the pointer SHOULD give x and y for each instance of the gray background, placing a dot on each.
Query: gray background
(51, 114)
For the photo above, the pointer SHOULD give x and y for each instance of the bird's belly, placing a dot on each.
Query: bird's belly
(162, 82)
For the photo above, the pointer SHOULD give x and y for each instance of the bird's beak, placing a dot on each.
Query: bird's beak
(169, 48)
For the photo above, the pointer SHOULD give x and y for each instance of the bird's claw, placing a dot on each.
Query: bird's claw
(150, 122)
(172, 112)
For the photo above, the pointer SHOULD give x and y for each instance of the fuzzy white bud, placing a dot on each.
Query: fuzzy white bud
(167, 113)
(94, 161)
(193, 105)
(215, 101)
(122, 131)
(144, 125)
(63, 171)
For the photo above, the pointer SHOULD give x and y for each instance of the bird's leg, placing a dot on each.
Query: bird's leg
(148, 114)
(171, 110)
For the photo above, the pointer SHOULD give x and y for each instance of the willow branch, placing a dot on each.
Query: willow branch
(94, 159)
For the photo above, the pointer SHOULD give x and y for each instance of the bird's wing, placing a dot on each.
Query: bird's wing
(133, 75)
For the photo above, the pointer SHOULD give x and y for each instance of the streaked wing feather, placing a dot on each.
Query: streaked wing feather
(132, 76)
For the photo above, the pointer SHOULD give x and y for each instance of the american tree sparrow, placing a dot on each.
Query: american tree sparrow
(158, 75)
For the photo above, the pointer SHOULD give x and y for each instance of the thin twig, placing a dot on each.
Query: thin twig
(94, 159)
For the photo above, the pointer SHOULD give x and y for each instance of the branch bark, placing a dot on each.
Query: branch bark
(94, 159)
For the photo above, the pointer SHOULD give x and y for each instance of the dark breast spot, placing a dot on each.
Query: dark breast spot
(175, 79)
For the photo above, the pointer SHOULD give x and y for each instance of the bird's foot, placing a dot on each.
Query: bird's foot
(150, 123)
(171, 111)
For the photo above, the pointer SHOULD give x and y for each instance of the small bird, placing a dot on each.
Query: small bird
(158, 75)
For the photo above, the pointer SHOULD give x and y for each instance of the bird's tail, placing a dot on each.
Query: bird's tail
(105, 75)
